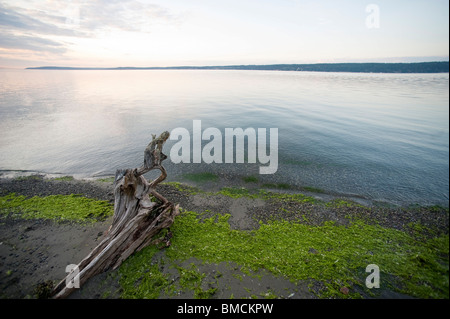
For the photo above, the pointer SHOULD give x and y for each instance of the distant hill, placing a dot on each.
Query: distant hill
(418, 67)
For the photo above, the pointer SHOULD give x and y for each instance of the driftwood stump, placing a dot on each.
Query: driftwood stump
(137, 219)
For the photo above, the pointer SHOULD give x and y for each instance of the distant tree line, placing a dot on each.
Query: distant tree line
(419, 67)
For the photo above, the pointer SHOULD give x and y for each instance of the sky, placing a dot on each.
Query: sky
(114, 33)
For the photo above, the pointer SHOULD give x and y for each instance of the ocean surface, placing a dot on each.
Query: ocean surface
(384, 137)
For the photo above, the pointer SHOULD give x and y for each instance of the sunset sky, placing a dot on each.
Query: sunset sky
(113, 33)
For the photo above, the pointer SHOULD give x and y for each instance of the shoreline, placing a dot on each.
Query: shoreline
(360, 67)
(41, 248)
(215, 182)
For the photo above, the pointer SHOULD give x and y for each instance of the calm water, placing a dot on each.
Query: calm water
(381, 136)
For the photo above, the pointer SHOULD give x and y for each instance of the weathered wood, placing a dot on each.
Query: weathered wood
(137, 220)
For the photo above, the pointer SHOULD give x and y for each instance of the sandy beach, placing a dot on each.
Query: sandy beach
(33, 251)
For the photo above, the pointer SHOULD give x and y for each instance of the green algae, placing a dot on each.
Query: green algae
(106, 179)
(191, 190)
(250, 179)
(140, 278)
(238, 192)
(201, 177)
(333, 254)
(283, 186)
(56, 207)
(64, 178)
(413, 261)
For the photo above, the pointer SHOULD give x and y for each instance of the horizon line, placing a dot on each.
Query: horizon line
(227, 65)
(355, 67)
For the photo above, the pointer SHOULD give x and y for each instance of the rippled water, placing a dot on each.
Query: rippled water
(380, 136)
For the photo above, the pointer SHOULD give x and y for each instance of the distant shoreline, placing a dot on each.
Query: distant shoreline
(417, 67)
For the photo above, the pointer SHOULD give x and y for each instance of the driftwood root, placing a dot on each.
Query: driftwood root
(140, 214)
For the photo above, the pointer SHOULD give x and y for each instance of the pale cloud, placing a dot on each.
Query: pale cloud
(31, 43)
(199, 32)
(128, 15)
(90, 16)
(55, 27)
(19, 20)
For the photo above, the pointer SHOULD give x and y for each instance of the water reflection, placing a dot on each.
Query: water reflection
(381, 136)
